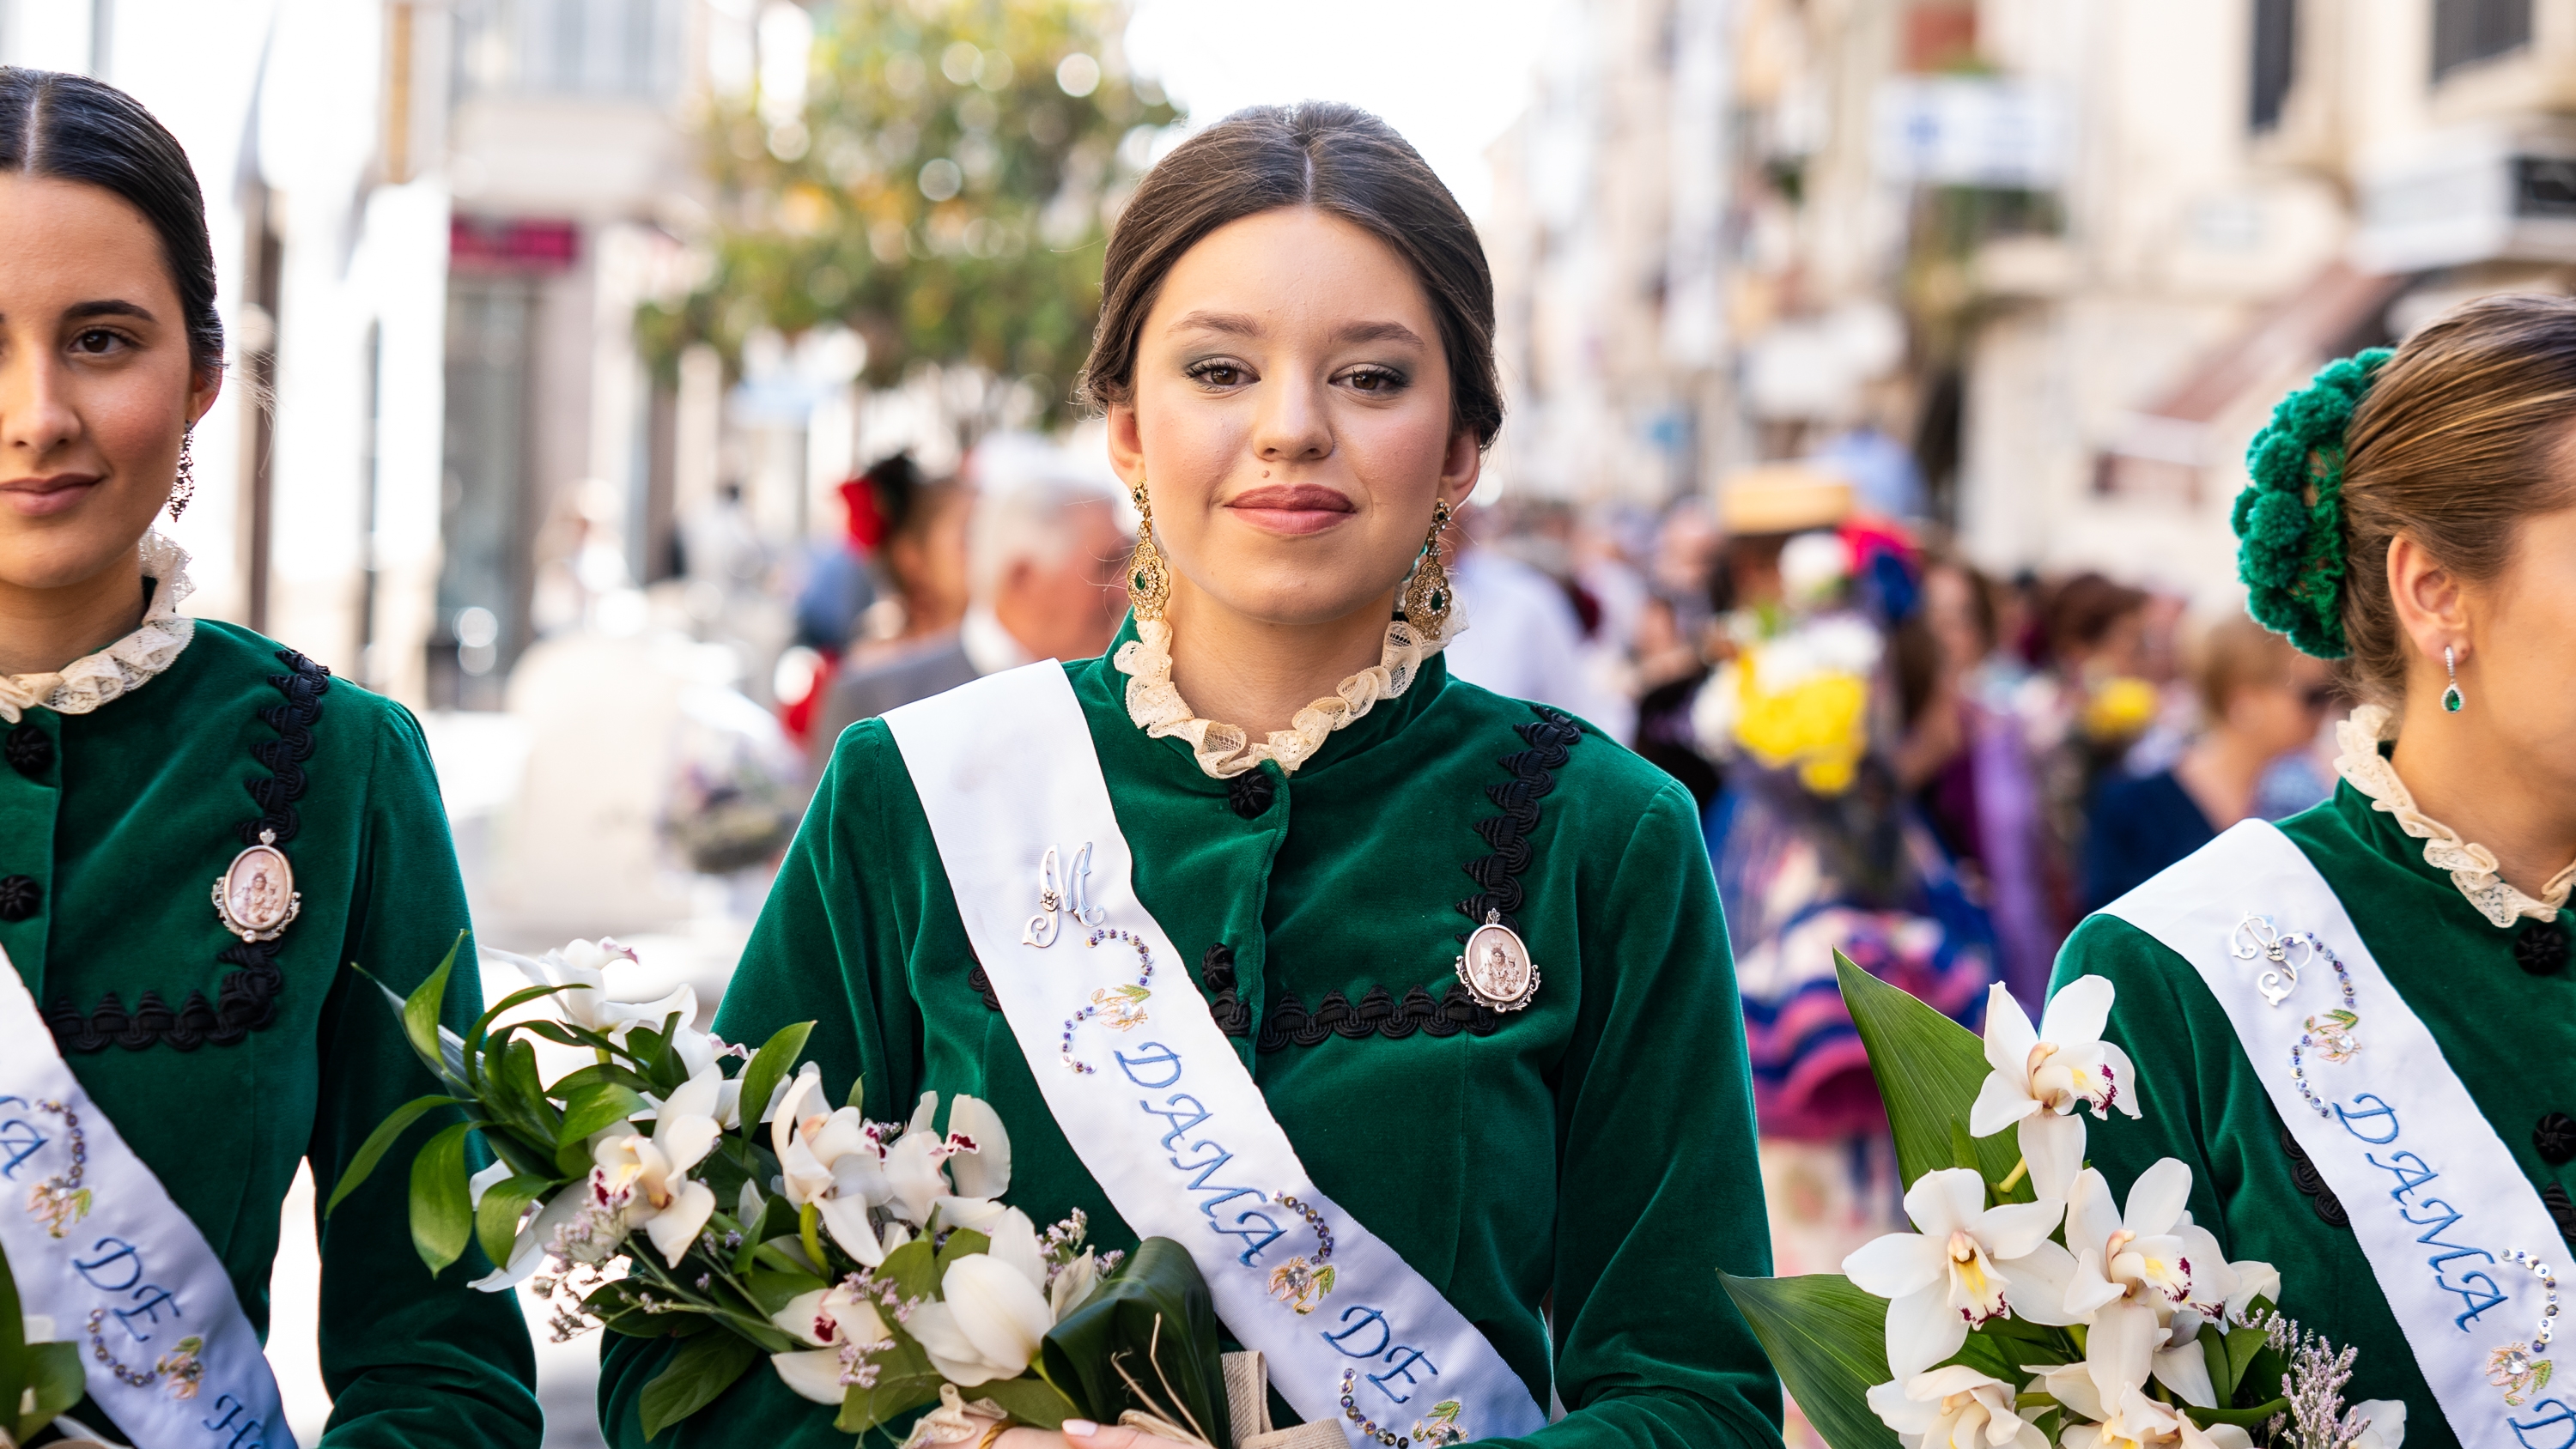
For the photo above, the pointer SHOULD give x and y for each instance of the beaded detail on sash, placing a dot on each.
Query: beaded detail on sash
(95, 679)
(2472, 866)
(1225, 751)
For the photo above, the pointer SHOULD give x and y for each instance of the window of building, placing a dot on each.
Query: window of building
(619, 49)
(2275, 60)
(2468, 31)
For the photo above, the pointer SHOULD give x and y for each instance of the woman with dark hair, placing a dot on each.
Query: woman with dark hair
(169, 1052)
(2355, 1027)
(1443, 971)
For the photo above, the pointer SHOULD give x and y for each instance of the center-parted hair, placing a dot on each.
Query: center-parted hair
(71, 128)
(1339, 160)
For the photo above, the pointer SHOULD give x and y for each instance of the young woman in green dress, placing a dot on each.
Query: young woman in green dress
(217, 1032)
(1549, 1124)
(2413, 516)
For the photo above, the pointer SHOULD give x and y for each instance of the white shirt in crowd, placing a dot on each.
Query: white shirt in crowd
(1523, 640)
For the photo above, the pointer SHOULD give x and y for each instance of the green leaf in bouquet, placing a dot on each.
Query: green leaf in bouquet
(442, 1212)
(767, 1068)
(1929, 1069)
(963, 1243)
(700, 1369)
(2233, 1355)
(1828, 1340)
(1031, 1401)
(595, 1108)
(914, 1267)
(420, 1009)
(381, 1141)
(496, 1217)
(1145, 1340)
(893, 1393)
(13, 1346)
(771, 1288)
(54, 1376)
(474, 1035)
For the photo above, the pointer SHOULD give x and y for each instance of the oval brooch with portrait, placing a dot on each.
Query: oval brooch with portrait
(1496, 968)
(255, 897)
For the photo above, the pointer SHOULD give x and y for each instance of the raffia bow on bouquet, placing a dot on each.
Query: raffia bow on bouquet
(674, 1186)
(2033, 1305)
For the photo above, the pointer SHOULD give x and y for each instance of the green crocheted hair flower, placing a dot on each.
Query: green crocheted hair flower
(2289, 520)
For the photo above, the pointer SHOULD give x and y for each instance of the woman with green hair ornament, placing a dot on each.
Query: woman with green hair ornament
(2363, 1017)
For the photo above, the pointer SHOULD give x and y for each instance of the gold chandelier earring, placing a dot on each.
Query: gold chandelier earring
(1149, 578)
(1427, 595)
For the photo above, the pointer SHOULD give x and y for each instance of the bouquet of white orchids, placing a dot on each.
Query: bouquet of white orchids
(651, 1191)
(2034, 1305)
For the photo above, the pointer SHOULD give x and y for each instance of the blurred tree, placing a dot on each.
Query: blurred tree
(943, 191)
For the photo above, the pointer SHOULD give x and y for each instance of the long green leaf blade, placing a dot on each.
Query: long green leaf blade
(1828, 1340)
(442, 1210)
(1929, 1069)
(420, 1009)
(768, 1067)
(595, 1107)
(496, 1217)
(700, 1369)
(381, 1141)
(14, 1358)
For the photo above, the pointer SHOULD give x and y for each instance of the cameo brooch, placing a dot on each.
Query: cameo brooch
(255, 897)
(1496, 969)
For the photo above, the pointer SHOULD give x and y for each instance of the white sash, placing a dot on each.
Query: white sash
(1152, 1095)
(2436, 1200)
(110, 1245)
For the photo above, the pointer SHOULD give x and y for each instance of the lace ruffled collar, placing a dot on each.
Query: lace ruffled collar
(1225, 751)
(94, 679)
(2472, 866)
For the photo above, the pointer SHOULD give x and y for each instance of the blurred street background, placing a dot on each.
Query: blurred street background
(659, 385)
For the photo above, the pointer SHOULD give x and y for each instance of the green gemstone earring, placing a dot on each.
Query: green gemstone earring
(2452, 699)
(1426, 594)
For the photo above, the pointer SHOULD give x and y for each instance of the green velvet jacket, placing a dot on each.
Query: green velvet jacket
(2509, 1032)
(1572, 1177)
(122, 819)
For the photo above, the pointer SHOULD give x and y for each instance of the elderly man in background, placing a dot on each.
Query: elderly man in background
(1046, 578)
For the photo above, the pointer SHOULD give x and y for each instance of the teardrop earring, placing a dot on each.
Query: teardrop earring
(184, 487)
(1427, 595)
(1149, 578)
(2452, 699)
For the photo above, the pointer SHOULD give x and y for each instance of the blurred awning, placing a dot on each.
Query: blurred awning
(2163, 447)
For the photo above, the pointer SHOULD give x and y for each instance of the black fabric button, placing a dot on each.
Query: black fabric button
(2555, 1138)
(1251, 792)
(2541, 949)
(30, 751)
(19, 897)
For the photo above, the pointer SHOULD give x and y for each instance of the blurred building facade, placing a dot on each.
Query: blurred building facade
(2067, 254)
(432, 224)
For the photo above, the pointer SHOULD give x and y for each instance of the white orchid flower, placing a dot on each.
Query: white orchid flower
(991, 1316)
(2132, 1256)
(2140, 1422)
(832, 1162)
(581, 969)
(1966, 1265)
(528, 1250)
(646, 1178)
(1954, 1406)
(830, 1319)
(2041, 1076)
(927, 1172)
(2124, 1348)
(2387, 1424)
(1072, 1285)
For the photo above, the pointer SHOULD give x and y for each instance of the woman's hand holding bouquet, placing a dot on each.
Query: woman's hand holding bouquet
(872, 1264)
(2032, 1306)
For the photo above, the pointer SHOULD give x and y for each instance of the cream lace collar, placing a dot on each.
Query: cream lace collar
(94, 679)
(2472, 866)
(1225, 751)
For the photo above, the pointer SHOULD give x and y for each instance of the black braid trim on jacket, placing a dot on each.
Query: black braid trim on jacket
(2561, 1211)
(1376, 1014)
(1551, 736)
(2305, 1177)
(246, 999)
(1233, 1014)
(983, 985)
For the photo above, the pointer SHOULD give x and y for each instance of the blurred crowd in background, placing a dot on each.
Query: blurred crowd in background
(658, 386)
